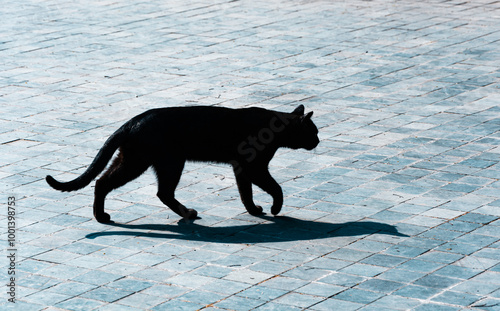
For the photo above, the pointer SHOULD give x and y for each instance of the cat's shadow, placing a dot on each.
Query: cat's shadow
(274, 229)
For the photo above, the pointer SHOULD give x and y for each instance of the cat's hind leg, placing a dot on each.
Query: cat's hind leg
(124, 168)
(169, 173)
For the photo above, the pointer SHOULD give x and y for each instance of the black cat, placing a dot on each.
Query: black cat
(166, 137)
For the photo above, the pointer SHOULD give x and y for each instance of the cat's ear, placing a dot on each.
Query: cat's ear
(299, 110)
(306, 117)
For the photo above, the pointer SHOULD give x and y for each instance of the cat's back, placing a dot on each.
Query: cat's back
(198, 123)
(209, 118)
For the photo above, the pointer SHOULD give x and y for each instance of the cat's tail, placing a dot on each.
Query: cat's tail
(96, 167)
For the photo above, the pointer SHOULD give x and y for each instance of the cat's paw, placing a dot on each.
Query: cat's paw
(275, 210)
(192, 214)
(103, 218)
(257, 211)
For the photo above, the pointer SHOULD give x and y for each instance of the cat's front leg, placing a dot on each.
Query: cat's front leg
(245, 189)
(277, 195)
(263, 179)
(267, 183)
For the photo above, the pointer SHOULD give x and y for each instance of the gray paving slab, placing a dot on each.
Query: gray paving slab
(397, 209)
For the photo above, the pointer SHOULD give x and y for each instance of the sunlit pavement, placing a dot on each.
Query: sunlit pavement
(396, 209)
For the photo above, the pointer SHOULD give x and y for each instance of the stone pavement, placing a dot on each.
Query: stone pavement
(398, 208)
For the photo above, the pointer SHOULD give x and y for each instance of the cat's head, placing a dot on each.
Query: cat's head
(302, 132)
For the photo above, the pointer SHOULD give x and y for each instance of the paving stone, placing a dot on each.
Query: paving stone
(175, 304)
(419, 292)
(79, 304)
(46, 298)
(455, 298)
(299, 300)
(320, 289)
(335, 304)
(397, 208)
(71, 288)
(264, 294)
